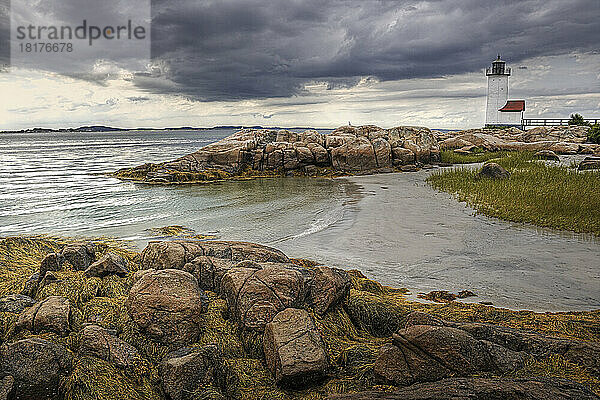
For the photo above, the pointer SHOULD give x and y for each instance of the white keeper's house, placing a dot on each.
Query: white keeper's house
(500, 111)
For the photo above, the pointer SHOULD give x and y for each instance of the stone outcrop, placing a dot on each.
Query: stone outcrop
(347, 149)
(36, 366)
(109, 264)
(422, 353)
(294, 349)
(99, 342)
(559, 139)
(208, 261)
(493, 171)
(257, 281)
(15, 303)
(167, 305)
(430, 349)
(50, 314)
(482, 388)
(586, 354)
(186, 370)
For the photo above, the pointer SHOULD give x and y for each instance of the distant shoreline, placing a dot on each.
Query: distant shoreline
(101, 128)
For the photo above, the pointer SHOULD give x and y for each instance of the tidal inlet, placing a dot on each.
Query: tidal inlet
(339, 200)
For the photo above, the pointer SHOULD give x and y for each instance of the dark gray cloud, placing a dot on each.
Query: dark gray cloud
(227, 50)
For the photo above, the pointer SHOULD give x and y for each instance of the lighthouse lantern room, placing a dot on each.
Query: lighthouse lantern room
(500, 111)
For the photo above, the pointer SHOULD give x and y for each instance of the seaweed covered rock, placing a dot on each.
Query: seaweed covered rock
(109, 264)
(99, 342)
(189, 370)
(52, 262)
(79, 254)
(482, 388)
(584, 353)
(167, 305)
(15, 303)
(422, 353)
(493, 170)
(294, 349)
(50, 314)
(31, 285)
(37, 367)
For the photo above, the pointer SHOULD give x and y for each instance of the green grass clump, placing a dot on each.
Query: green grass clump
(450, 157)
(593, 135)
(538, 193)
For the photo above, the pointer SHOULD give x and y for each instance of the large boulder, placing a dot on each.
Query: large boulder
(167, 305)
(109, 264)
(402, 156)
(422, 353)
(493, 170)
(99, 342)
(255, 296)
(547, 155)
(294, 349)
(50, 314)
(480, 388)
(15, 303)
(37, 367)
(383, 152)
(79, 254)
(355, 155)
(183, 372)
(327, 287)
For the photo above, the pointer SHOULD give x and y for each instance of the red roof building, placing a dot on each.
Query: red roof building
(513, 106)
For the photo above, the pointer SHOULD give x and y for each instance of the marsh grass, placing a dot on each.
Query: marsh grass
(352, 331)
(538, 193)
(450, 157)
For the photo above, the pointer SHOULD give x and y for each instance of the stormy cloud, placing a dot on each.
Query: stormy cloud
(231, 50)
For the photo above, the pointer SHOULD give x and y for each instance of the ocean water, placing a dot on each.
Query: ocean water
(393, 227)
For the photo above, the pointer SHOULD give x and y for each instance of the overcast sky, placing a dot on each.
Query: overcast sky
(324, 63)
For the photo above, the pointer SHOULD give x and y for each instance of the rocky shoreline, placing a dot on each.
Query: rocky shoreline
(348, 150)
(190, 319)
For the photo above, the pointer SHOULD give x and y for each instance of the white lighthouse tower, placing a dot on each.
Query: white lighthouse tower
(500, 110)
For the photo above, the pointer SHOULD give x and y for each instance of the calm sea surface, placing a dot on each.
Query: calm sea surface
(393, 227)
